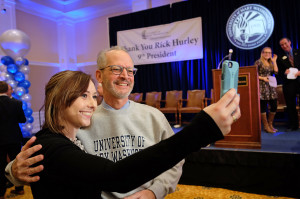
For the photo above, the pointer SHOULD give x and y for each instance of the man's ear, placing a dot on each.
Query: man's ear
(99, 76)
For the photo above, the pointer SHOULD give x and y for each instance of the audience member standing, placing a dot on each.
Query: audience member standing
(11, 114)
(288, 63)
(268, 95)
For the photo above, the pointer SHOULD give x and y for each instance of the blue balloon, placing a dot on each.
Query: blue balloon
(30, 119)
(6, 60)
(26, 134)
(26, 90)
(28, 112)
(14, 95)
(19, 76)
(19, 62)
(12, 68)
(19, 91)
(26, 62)
(24, 105)
(25, 84)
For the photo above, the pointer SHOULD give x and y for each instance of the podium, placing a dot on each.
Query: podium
(246, 132)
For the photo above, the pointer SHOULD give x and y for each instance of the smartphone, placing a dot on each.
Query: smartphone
(230, 75)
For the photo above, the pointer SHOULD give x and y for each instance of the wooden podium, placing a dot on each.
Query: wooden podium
(246, 132)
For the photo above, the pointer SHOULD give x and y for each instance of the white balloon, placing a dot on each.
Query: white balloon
(15, 43)
(6, 76)
(12, 83)
(28, 105)
(3, 68)
(28, 127)
(26, 98)
(24, 69)
(2, 76)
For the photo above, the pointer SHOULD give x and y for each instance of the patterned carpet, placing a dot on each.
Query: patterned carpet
(182, 192)
(201, 192)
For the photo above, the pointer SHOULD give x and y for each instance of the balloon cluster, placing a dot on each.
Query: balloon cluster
(15, 70)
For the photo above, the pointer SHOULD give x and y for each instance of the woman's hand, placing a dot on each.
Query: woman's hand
(274, 58)
(226, 111)
(266, 79)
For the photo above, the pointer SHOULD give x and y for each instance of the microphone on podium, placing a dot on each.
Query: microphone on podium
(230, 53)
(227, 56)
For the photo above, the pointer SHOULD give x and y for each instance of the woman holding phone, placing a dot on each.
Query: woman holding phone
(69, 172)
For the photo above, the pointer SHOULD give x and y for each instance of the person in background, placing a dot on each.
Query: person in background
(267, 66)
(70, 172)
(289, 61)
(11, 114)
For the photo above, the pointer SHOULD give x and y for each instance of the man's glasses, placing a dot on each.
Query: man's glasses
(117, 70)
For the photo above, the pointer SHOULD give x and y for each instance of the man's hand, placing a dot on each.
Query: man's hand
(287, 71)
(144, 194)
(225, 111)
(21, 169)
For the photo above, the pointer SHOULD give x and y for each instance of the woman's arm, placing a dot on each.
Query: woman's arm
(64, 160)
(274, 60)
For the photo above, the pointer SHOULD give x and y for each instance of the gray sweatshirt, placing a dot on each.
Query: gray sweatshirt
(116, 134)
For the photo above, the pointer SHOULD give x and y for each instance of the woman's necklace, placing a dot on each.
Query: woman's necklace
(77, 143)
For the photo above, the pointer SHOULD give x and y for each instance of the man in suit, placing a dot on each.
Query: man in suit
(11, 114)
(287, 62)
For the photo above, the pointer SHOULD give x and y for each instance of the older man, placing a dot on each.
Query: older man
(123, 127)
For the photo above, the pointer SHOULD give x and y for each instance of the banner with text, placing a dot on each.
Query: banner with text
(176, 41)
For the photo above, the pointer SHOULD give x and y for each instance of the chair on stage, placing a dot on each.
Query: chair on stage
(137, 97)
(281, 105)
(171, 103)
(153, 99)
(211, 99)
(194, 103)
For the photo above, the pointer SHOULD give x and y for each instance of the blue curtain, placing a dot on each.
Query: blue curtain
(197, 74)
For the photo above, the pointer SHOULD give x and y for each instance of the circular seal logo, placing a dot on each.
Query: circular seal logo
(250, 26)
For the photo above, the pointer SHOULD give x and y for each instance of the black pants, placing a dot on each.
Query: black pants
(11, 151)
(290, 90)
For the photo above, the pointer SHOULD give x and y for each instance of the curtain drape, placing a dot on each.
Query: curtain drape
(197, 74)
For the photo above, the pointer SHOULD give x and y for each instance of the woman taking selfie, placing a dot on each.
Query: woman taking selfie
(69, 172)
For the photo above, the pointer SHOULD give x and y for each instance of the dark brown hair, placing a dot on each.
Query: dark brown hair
(3, 87)
(60, 92)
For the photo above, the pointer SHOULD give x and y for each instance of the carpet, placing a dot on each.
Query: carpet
(182, 192)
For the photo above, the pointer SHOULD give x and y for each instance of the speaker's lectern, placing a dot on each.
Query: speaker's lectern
(246, 132)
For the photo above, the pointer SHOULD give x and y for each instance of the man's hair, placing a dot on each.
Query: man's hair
(60, 92)
(3, 87)
(101, 57)
(284, 38)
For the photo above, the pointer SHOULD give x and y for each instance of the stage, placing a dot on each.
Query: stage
(272, 170)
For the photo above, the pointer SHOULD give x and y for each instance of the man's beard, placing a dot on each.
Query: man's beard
(112, 89)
